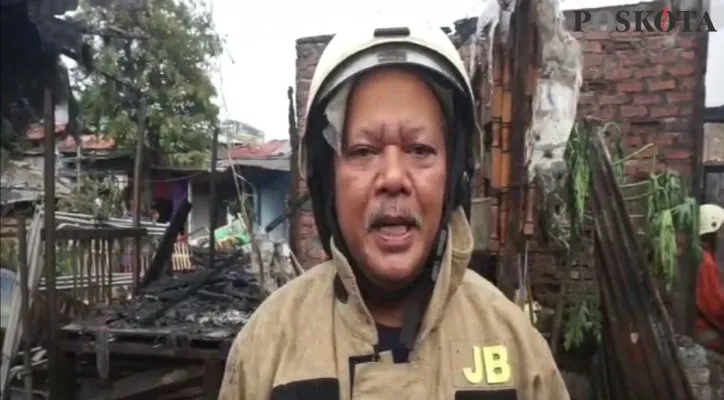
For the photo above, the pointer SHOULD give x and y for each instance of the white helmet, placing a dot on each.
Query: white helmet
(711, 218)
(422, 47)
(352, 52)
(428, 52)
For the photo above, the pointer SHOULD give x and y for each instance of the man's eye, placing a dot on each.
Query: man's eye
(361, 152)
(421, 150)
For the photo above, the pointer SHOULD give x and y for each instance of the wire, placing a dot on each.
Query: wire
(221, 85)
(166, 180)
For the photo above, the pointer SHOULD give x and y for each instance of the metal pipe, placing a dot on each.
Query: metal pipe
(90, 219)
(138, 164)
(214, 209)
(84, 224)
(49, 262)
(256, 198)
(257, 207)
(25, 306)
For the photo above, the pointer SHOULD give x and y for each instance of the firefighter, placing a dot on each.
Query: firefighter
(395, 314)
(709, 288)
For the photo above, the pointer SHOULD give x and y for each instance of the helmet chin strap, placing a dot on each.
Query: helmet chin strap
(369, 289)
(415, 296)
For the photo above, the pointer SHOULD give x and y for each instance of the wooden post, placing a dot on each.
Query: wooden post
(213, 375)
(25, 306)
(49, 219)
(214, 209)
(137, 166)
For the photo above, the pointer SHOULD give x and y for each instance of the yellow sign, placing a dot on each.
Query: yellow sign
(489, 363)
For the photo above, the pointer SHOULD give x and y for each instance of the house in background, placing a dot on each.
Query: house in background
(235, 132)
(264, 171)
(713, 157)
(260, 173)
(21, 183)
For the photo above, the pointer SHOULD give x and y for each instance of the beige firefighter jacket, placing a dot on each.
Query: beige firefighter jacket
(305, 343)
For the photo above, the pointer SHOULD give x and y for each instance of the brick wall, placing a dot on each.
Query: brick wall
(644, 81)
(303, 236)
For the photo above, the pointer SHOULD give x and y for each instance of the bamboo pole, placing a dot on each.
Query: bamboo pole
(49, 229)
(23, 269)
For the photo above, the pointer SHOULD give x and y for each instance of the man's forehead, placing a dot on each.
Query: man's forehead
(394, 91)
(381, 79)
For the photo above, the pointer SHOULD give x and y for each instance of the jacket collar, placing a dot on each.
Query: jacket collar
(455, 262)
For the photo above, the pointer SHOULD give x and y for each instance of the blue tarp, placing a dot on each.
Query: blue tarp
(8, 283)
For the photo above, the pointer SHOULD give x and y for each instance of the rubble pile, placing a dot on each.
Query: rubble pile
(223, 296)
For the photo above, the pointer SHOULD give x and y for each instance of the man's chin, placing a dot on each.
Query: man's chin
(395, 271)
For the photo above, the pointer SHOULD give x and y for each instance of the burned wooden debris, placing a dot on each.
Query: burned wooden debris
(640, 352)
(155, 383)
(163, 253)
(224, 295)
(170, 340)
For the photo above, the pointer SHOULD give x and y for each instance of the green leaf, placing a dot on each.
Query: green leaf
(168, 53)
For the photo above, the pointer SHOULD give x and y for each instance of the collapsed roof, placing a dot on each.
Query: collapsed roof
(32, 38)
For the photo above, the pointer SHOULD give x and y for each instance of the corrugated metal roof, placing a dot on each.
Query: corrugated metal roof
(37, 131)
(714, 114)
(88, 142)
(23, 181)
(277, 164)
(270, 149)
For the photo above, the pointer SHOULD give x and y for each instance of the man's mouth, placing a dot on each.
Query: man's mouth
(393, 226)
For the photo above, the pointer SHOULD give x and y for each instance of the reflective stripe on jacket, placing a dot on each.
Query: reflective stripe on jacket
(305, 343)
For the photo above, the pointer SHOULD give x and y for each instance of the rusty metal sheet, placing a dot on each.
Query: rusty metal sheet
(641, 355)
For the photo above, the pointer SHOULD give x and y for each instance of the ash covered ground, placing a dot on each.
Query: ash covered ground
(203, 301)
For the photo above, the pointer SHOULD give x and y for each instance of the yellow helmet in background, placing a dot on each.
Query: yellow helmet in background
(711, 218)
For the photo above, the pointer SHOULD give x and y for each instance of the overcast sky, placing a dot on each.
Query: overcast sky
(259, 60)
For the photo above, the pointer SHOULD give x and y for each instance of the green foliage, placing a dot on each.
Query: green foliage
(95, 195)
(670, 215)
(63, 260)
(9, 257)
(670, 212)
(166, 50)
(579, 176)
(584, 324)
(9, 254)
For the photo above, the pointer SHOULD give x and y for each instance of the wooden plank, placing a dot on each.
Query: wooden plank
(638, 336)
(151, 384)
(14, 331)
(181, 257)
(219, 334)
(72, 233)
(81, 347)
(213, 375)
(165, 248)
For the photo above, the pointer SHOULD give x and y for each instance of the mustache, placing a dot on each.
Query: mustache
(385, 213)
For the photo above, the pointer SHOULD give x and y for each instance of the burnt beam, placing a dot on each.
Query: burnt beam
(163, 252)
(152, 384)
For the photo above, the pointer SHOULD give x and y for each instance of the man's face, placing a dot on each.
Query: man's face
(390, 176)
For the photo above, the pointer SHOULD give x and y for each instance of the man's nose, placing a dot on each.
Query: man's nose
(393, 177)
